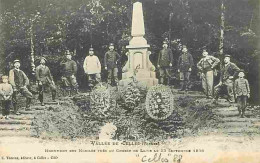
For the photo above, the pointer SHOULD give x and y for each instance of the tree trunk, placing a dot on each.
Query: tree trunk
(222, 28)
(2, 50)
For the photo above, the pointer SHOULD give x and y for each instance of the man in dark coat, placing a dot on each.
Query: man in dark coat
(69, 72)
(111, 60)
(228, 72)
(185, 64)
(19, 82)
(165, 60)
(44, 79)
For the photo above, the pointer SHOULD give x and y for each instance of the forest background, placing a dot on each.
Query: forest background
(30, 29)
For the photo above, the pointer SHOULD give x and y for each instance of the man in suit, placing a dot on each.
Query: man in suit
(19, 82)
(185, 64)
(69, 72)
(228, 72)
(44, 79)
(165, 60)
(110, 61)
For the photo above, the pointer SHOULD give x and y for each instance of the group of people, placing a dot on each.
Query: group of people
(232, 81)
(19, 82)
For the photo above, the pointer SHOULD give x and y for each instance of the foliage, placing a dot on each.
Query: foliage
(59, 25)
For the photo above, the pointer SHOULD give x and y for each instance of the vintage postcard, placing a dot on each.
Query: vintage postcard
(129, 81)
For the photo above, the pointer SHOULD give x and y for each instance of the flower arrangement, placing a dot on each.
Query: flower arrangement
(159, 102)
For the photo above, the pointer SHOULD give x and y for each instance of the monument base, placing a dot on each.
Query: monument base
(145, 78)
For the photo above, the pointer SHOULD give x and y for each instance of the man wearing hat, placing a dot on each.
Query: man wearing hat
(228, 72)
(19, 82)
(185, 64)
(69, 69)
(206, 66)
(110, 61)
(44, 80)
(92, 68)
(165, 60)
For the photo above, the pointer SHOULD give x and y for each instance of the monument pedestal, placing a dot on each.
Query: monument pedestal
(138, 65)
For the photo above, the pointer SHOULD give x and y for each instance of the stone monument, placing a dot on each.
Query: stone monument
(138, 64)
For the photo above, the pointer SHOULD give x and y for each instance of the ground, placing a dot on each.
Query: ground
(230, 139)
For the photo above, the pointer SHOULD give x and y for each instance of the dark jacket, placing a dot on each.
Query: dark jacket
(228, 70)
(241, 87)
(43, 74)
(17, 78)
(110, 60)
(165, 57)
(185, 62)
(69, 68)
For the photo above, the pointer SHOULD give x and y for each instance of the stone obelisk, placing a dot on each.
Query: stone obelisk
(138, 64)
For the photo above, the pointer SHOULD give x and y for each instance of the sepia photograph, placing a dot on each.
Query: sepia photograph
(130, 81)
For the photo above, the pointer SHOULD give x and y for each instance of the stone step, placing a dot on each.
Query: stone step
(19, 133)
(14, 122)
(31, 111)
(256, 124)
(14, 127)
(226, 109)
(51, 103)
(239, 130)
(21, 117)
(232, 114)
(234, 124)
(38, 107)
(238, 119)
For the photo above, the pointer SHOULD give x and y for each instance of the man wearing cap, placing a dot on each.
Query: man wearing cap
(92, 68)
(69, 68)
(19, 82)
(44, 79)
(110, 61)
(165, 60)
(228, 71)
(185, 64)
(206, 66)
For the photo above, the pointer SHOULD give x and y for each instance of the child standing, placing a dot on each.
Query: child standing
(242, 93)
(6, 92)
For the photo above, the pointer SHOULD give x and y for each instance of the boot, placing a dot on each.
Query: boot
(161, 80)
(182, 86)
(53, 94)
(116, 80)
(243, 112)
(28, 103)
(15, 109)
(239, 111)
(41, 99)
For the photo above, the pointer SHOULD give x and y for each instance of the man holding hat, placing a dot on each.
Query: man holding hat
(19, 82)
(92, 68)
(44, 79)
(110, 61)
(206, 66)
(165, 60)
(69, 68)
(228, 71)
(185, 64)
